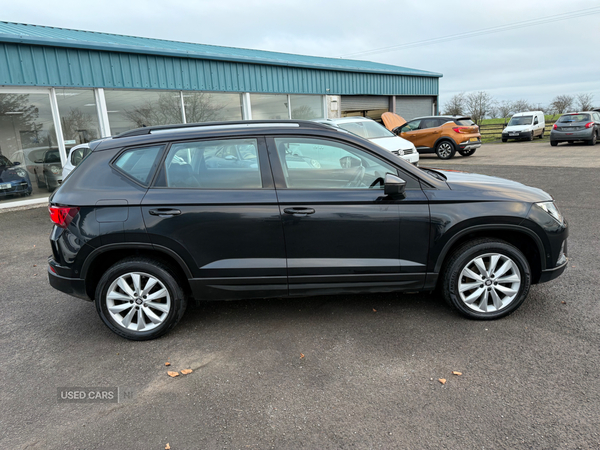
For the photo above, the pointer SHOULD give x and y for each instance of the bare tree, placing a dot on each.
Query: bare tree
(165, 111)
(561, 104)
(521, 106)
(456, 105)
(505, 108)
(203, 107)
(79, 126)
(584, 102)
(304, 112)
(478, 104)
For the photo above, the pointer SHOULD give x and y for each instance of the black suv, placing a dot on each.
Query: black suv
(158, 216)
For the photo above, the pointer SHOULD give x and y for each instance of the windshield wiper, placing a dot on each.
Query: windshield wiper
(435, 173)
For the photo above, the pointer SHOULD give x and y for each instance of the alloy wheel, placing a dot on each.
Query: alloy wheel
(138, 301)
(445, 150)
(489, 282)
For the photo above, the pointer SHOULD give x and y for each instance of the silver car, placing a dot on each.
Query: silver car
(580, 126)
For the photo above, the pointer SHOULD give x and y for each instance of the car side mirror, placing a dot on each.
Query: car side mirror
(348, 162)
(393, 185)
(16, 163)
(230, 158)
(39, 161)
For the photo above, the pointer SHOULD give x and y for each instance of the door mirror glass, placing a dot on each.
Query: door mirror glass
(393, 185)
(348, 161)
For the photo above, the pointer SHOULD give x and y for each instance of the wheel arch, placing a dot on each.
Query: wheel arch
(445, 138)
(102, 258)
(523, 238)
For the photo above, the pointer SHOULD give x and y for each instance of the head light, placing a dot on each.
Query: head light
(551, 209)
(55, 170)
(21, 173)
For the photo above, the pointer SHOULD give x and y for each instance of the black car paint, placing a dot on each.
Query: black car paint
(356, 241)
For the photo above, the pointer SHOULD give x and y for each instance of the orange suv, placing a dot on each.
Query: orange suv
(442, 135)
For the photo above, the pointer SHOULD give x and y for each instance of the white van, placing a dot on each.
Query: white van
(525, 125)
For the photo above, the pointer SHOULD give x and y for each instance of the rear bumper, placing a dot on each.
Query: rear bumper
(469, 145)
(571, 136)
(71, 286)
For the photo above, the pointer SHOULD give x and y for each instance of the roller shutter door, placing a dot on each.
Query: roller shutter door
(364, 102)
(411, 107)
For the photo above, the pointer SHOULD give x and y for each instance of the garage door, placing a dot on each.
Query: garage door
(365, 102)
(411, 107)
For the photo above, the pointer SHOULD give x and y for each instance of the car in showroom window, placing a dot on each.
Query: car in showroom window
(146, 224)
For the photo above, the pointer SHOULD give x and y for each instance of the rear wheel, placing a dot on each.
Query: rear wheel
(445, 150)
(140, 299)
(553, 143)
(593, 140)
(542, 134)
(486, 279)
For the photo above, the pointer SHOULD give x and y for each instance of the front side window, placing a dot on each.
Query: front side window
(366, 129)
(215, 164)
(139, 163)
(411, 126)
(309, 163)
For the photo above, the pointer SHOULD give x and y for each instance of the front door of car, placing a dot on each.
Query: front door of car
(221, 217)
(342, 234)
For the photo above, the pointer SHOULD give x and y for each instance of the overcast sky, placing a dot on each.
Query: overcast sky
(534, 63)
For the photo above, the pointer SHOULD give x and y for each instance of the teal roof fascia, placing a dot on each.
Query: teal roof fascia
(67, 38)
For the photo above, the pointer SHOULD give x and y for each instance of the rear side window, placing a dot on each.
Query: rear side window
(139, 163)
(218, 164)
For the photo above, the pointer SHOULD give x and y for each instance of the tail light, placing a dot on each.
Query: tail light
(62, 215)
(589, 124)
(460, 129)
(555, 127)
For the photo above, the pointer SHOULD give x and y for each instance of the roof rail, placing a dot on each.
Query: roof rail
(215, 125)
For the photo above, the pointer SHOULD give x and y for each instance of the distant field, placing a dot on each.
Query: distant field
(548, 118)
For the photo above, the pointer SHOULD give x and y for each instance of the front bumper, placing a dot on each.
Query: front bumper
(16, 187)
(517, 135)
(551, 274)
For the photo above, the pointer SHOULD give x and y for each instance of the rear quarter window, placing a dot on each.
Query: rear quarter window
(139, 163)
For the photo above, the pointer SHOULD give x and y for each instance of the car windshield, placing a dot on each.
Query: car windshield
(366, 129)
(520, 120)
(4, 161)
(574, 118)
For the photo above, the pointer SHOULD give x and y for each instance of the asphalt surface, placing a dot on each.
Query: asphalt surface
(368, 377)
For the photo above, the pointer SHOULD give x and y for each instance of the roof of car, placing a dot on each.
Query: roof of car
(344, 120)
(443, 117)
(524, 113)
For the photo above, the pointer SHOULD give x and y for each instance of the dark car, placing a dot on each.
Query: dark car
(14, 180)
(51, 173)
(145, 225)
(581, 126)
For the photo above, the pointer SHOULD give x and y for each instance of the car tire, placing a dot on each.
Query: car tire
(504, 140)
(542, 134)
(553, 143)
(40, 185)
(593, 140)
(531, 137)
(486, 279)
(467, 152)
(445, 150)
(140, 299)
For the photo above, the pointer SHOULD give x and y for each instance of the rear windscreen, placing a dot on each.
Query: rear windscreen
(574, 118)
(464, 122)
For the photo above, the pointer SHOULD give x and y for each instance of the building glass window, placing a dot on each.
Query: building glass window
(134, 109)
(78, 116)
(30, 163)
(269, 107)
(306, 107)
(211, 106)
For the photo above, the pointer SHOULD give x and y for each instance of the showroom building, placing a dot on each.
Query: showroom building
(62, 87)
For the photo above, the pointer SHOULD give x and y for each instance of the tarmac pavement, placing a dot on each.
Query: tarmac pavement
(321, 372)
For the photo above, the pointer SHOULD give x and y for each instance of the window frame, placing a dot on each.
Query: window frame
(412, 183)
(159, 180)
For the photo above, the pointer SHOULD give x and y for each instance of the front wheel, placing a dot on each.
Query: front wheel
(140, 299)
(553, 143)
(445, 150)
(486, 279)
(467, 152)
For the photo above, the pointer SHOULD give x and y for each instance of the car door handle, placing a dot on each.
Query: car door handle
(300, 212)
(164, 212)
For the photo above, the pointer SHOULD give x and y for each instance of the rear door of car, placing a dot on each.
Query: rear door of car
(342, 234)
(222, 219)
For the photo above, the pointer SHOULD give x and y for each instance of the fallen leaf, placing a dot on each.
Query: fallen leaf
(173, 374)
(167, 447)
(442, 380)
(35, 265)
(301, 355)
(563, 302)
(374, 310)
(186, 371)
(167, 364)
(454, 372)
